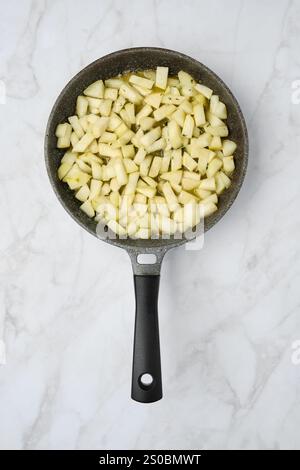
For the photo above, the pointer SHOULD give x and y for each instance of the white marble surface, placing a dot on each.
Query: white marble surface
(229, 314)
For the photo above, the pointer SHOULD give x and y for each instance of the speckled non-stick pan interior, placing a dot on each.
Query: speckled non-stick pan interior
(141, 59)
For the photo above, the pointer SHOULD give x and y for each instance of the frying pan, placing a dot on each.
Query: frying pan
(146, 351)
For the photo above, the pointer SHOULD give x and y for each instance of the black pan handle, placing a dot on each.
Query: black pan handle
(146, 370)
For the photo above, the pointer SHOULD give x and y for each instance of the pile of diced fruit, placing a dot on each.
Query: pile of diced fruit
(147, 154)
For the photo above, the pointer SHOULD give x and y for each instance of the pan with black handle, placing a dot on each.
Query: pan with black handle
(146, 372)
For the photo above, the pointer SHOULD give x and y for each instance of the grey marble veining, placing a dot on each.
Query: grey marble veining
(229, 314)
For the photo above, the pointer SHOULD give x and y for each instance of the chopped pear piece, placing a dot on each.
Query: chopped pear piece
(83, 193)
(144, 112)
(81, 106)
(199, 114)
(179, 117)
(161, 77)
(64, 169)
(212, 198)
(142, 91)
(155, 167)
(173, 176)
(185, 79)
(170, 196)
(143, 233)
(116, 228)
(174, 134)
(229, 147)
(220, 110)
(73, 139)
(186, 106)
(114, 83)
(215, 143)
(207, 208)
(96, 170)
(188, 162)
(74, 121)
(126, 137)
(61, 129)
(214, 121)
(192, 175)
(95, 90)
(151, 137)
(94, 105)
(228, 165)
(140, 81)
(167, 226)
(208, 183)
(118, 104)
(121, 129)
(65, 132)
(204, 90)
(129, 107)
(84, 123)
(114, 198)
(139, 156)
(132, 183)
(202, 193)
(154, 99)
(128, 151)
(136, 139)
(105, 107)
(83, 143)
(147, 123)
(176, 161)
(188, 184)
(108, 151)
(88, 209)
(150, 181)
(163, 112)
(159, 144)
(95, 188)
(69, 157)
(111, 94)
(120, 170)
(222, 181)
(204, 140)
(149, 73)
(145, 165)
(63, 142)
(130, 166)
(108, 137)
(129, 93)
(221, 131)
(185, 197)
(165, 162)
(191, 215)
(147, 191)
(84, 166)
(213, 167)
(99, 126)
(105, 190)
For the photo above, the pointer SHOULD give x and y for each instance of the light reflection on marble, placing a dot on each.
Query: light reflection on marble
(228, 314)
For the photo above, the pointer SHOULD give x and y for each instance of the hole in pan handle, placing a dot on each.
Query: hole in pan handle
(146, 258)
(146, 351)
